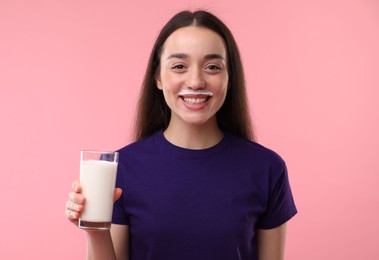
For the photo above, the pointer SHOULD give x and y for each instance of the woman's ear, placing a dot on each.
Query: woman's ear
(158, 82)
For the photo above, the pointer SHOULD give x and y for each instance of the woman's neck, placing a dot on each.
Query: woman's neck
(194, 136)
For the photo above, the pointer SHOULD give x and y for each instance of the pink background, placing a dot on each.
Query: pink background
(70, 73)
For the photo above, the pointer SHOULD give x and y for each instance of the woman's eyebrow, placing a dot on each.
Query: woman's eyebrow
(178, 56)
(214, 56)
(206, 57)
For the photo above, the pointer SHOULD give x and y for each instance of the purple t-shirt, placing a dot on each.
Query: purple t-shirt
(200, 204)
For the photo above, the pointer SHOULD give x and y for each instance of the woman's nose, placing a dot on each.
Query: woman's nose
(195, 79)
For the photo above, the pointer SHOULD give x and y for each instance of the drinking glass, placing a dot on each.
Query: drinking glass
(98, 170)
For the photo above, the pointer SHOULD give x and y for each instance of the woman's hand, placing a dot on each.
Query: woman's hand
(76, 202)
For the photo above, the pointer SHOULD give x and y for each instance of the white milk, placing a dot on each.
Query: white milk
(98, 180)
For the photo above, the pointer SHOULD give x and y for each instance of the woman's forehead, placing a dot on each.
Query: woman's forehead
(194, 40)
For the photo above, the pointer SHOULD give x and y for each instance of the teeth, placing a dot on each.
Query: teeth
(194, 101)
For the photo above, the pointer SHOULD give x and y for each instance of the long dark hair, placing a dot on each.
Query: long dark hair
(153, 114)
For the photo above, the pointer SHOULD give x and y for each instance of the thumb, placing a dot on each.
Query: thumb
(117, 193)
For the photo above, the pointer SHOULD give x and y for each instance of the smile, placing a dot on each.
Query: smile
(195, 101)
(195, 97)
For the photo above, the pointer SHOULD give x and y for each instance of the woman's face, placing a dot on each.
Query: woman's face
(193, 75)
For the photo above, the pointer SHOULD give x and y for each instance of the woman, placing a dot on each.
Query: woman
(194, 185)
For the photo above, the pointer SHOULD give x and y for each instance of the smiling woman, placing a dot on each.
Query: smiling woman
(196, 185)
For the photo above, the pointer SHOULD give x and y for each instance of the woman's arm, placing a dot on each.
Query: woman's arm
(271, 243)
(120, 238)
(110, 245)
(100, 246)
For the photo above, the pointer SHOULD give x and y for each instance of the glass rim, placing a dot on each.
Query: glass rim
(98, 152)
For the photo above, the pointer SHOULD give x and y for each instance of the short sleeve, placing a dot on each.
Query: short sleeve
(280, 206)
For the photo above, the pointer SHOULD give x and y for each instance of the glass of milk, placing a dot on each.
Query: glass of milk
(98, 170)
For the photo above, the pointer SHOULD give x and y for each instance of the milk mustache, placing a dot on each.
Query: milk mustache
(98, 180)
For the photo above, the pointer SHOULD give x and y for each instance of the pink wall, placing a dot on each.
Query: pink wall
(70, 72)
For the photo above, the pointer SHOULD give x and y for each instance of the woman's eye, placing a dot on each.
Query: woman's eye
(214, 67)
(178, 67)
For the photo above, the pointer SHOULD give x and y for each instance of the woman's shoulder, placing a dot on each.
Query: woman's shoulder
(253, 149)
(140, 146)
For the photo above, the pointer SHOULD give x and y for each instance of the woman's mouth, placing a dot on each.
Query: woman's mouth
(195, 97)
(195, 100)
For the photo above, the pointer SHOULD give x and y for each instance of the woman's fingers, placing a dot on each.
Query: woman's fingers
(73, 206)
(75, 202)
(70, 213)
(76, 198)
(76, 186)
